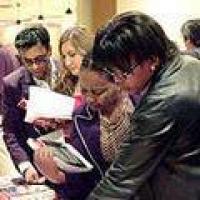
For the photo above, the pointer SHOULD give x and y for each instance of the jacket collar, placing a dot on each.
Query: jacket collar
(26, 80)
(85, 112)
(168, 68)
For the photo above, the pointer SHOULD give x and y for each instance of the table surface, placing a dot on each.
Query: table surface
(16, 191)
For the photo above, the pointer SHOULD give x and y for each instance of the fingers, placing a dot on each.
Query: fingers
(42, 154)
(46, 123)
(42, 157)
(43, 123)
(45, 163)
(41, 180)
(31, 175)
(22, 103)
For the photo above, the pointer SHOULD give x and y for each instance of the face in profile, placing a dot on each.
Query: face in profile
(100, 93)
(72, 60)
(139, 78)
(36, 59)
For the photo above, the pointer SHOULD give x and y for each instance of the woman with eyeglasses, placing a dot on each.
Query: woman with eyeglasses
(99, 127)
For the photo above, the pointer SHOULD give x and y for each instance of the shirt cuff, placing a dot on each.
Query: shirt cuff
(23, 166)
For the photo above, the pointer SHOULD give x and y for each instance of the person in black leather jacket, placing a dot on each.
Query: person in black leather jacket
(161, 158)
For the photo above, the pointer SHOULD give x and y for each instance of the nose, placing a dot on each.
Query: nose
(91, 99)
(68, 61)
(35, 66)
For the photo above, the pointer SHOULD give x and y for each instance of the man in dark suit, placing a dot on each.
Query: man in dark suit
(8, 63)
(33, 45)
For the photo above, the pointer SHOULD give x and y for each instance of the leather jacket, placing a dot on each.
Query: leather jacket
(161, 159)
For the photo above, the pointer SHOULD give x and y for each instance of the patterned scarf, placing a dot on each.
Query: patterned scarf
(115, 129)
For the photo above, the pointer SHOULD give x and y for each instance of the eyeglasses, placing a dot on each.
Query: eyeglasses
(112, 72)
(39, 60)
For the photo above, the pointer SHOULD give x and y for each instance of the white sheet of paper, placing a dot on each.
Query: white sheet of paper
(48, 104)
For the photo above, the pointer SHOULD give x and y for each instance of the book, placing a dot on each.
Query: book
(45, 103)
(67, 158)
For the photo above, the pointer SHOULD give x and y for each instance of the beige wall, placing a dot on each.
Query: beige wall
(170, 14)
(102, 10)
(84, 13)
(56, 20)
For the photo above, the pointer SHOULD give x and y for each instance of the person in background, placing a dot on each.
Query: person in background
(191, 35)
(33, 45)
(160, 159)
(99, 127)
(8, 63)
(74, 43)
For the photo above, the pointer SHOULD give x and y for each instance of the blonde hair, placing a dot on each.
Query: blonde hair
(81, 39)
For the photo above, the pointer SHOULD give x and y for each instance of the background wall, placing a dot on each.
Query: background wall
(170, 14)
(55, 18)
(93, 13)
(102, 11)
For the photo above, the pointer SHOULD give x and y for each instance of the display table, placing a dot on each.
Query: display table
(12, 189)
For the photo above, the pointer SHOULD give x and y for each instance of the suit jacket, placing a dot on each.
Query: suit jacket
(8, 63)
(16, 131)
(85, 137)
(161, 159)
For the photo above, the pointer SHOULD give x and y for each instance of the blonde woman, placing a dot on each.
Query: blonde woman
(99, 127)
(74, 43)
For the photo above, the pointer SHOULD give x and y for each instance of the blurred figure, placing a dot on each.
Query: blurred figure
(99, 127)
(191, 35)
(160, 159)
(33, 45)
(74, 43)
(8, 63)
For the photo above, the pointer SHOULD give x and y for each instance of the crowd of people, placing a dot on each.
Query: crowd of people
(136, 118)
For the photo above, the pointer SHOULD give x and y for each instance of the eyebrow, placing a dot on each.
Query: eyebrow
(94, 88)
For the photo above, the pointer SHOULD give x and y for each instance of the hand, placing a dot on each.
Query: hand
(43, 159)
(32, 176)
(22, 103)
(44, 123)
(47, 123)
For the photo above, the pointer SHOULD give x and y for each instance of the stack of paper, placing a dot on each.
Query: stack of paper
(44, 103)
(15, 188)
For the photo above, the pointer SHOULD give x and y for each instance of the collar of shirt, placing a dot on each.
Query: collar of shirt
(137, 97)
(53, 76)
(41, 83)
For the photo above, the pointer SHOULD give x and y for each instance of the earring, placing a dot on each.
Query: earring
(153, 67)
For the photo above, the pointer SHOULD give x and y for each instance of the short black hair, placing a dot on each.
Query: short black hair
(191, 31)
(127, 34)
(29, 37)
(88, 64)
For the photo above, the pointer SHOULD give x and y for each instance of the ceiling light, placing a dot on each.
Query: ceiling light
(68, 11)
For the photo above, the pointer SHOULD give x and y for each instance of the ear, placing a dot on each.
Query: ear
(119, 78)
(154, 63)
